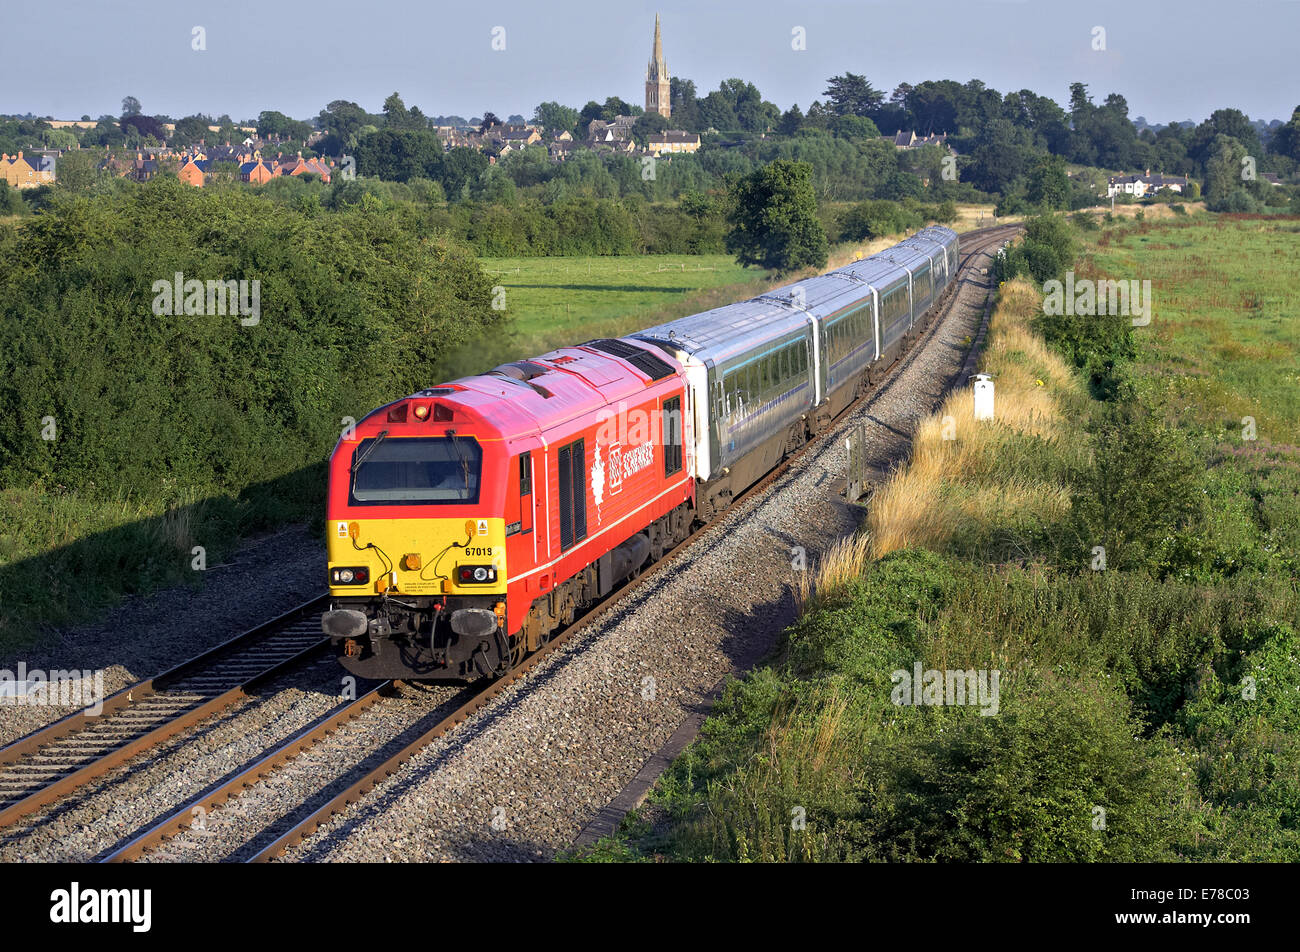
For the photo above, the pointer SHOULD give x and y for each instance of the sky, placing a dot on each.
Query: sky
(1171, 60)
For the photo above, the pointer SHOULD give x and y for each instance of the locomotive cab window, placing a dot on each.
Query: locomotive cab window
(413, 470)
(525, 473)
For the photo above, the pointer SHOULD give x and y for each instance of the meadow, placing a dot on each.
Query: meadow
(558, 301)
(1224, 342)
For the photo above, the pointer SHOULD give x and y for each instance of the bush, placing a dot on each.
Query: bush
(1143, 485)
(142, 401)
(877, 218)
(1025, 786)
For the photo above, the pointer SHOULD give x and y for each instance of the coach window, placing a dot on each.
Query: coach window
(672, 421)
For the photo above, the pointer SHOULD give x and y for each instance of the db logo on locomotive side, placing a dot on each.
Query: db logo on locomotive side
(623, 465)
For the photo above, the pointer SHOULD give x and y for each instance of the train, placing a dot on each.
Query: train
(470, 522)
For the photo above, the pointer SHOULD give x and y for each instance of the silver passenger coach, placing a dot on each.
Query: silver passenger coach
(767, 373)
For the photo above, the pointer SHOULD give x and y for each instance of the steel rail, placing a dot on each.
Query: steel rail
(130, 699)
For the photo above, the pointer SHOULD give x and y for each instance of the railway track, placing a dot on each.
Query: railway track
(368, 780)
(47, 765)
(51, 763)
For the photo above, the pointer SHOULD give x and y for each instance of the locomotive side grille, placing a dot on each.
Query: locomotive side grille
(566, 497)
(573, 494)
(642, 360)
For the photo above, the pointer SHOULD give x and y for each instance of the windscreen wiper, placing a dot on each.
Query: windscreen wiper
(365, 454)
(464, 462)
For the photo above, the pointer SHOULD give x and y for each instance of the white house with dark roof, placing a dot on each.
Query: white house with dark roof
(1140, 185)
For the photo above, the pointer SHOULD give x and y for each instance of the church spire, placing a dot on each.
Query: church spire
(656, 77)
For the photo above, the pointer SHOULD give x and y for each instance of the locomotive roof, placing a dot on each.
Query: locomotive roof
(542, 392)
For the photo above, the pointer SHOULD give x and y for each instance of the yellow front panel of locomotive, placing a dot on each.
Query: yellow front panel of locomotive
(417, 556)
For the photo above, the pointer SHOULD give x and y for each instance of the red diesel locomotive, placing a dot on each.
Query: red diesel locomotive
(468, 522)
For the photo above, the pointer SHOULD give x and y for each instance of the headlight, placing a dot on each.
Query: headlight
(476, 574)
(354, 575)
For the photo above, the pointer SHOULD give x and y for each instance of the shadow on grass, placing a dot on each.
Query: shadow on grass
(111, 554)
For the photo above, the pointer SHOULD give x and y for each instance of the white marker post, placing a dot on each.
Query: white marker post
(983, 397)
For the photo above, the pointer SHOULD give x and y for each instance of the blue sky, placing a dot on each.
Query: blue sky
(1176, 60)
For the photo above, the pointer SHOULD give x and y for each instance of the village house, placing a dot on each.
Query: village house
(910, 140)
(602, 131)
(519, 138)
(299, 166)
(672, 141)
(193, 171)
(1140, 185)
(27, 171)
(562, 149)
(256, 172)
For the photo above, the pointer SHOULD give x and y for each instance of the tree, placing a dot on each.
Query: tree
(489, 120)
(613, 108)
(1223, 122)
(276, 125)
(684, 105)
(141, 128)
(554, 117)
(1002, 154)
(77, 171)
(460, 166)
(1049, 185)
(791, 121)
(1223, 176)
(645, 125)
(342, 122)
(399, 155)
(1286, 138)
(191, 129)
(130, 106)
(854, 127)
(396, 115)
(590, 112)
(934, 105)
(852, 95)
(221, 174)
(773, 221)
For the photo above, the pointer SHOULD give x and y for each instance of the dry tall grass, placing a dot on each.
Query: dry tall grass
(841, 564)
(951, 479)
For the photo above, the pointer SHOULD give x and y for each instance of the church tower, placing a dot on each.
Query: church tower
(656, 79)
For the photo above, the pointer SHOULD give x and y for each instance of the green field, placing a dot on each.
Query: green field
(557, 301)
(1224, 341)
